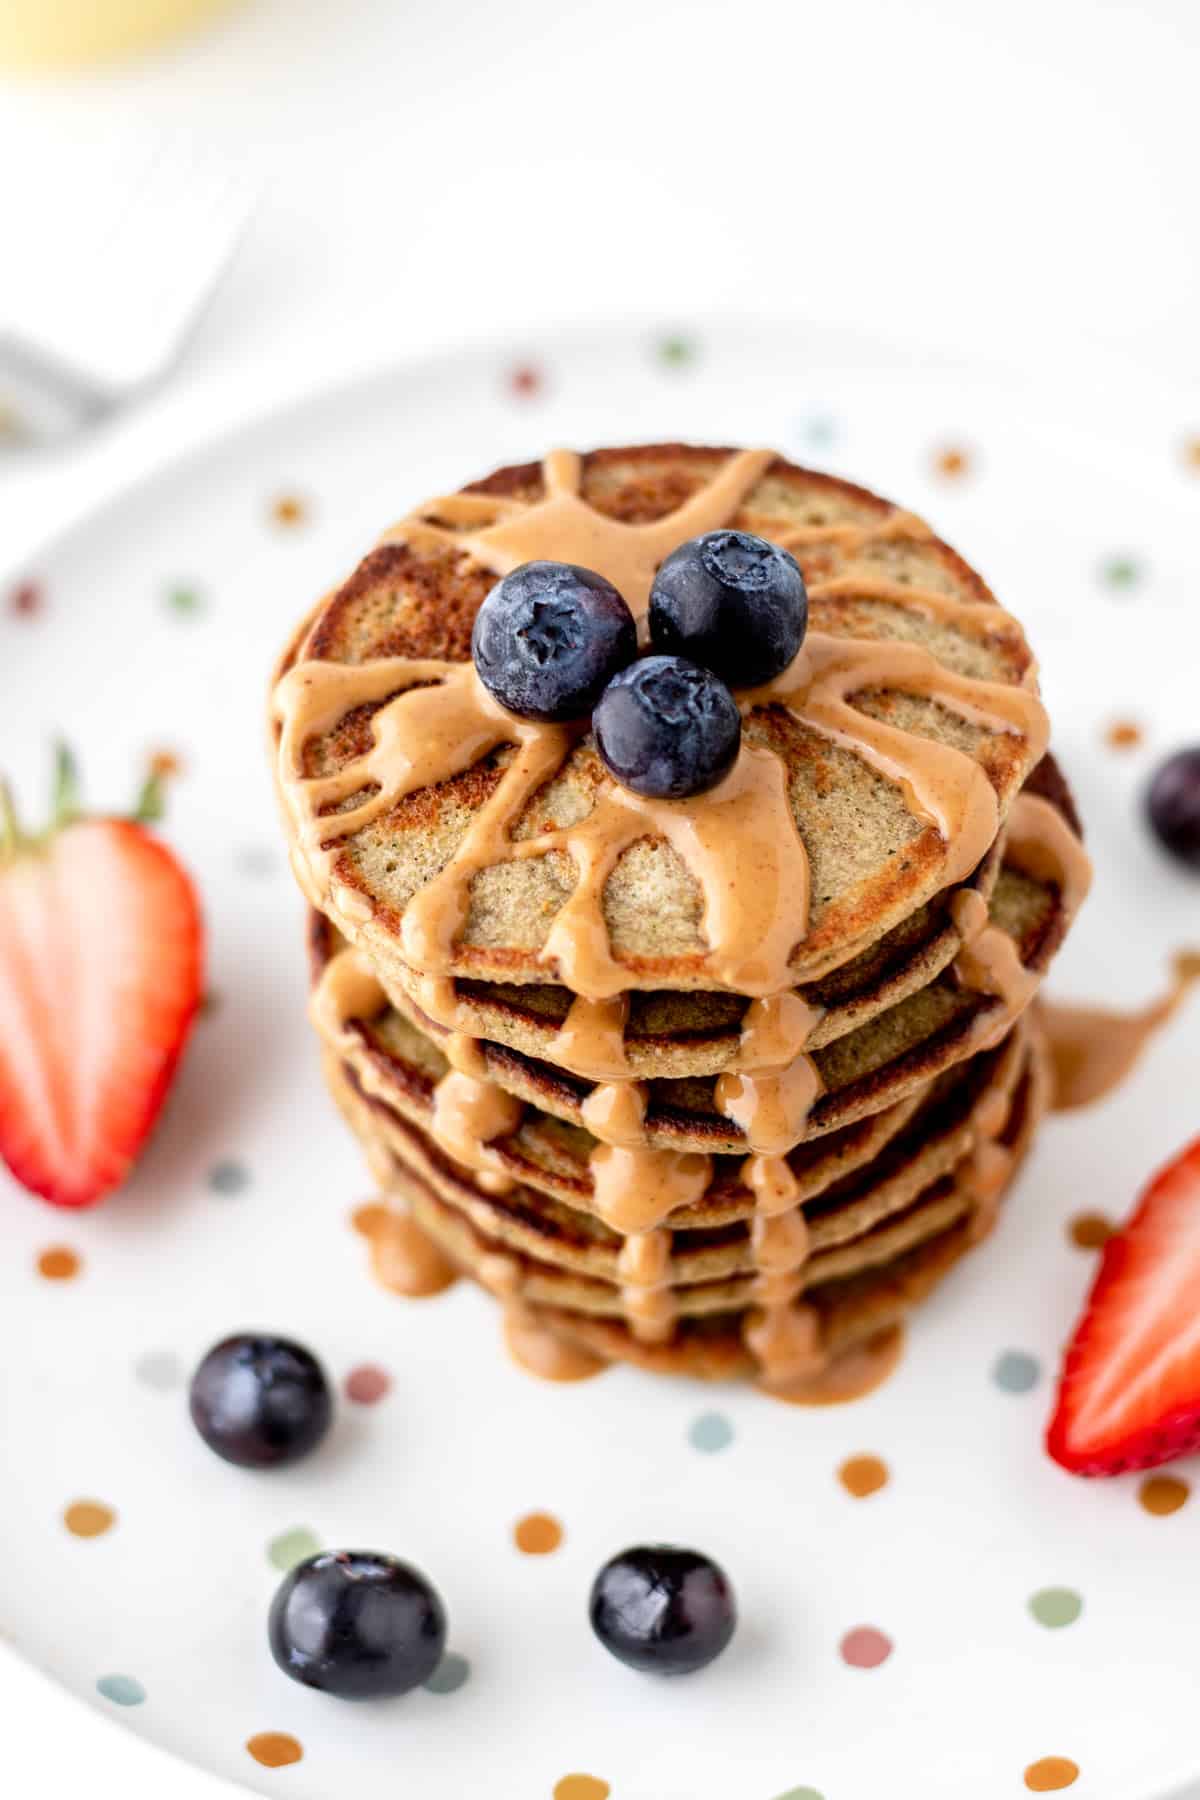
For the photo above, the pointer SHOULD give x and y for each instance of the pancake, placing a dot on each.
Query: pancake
(857, 1217)
(443, 835)
(865, 1071)
(711, 1342)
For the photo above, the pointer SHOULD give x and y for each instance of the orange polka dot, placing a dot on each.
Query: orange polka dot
(952, 462)
(1050, 1773)
(1163, 1494)
(289, 510)
(581, 1787)
(1124, 734)
(1191, 454)
(863, 1475)
(537, 1534)
(1090, 1230)
(274, 1749)
(88, 1518)
(59, 1263)
(165, 764)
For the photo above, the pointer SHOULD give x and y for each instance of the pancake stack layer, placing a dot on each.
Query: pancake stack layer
(717, 1085)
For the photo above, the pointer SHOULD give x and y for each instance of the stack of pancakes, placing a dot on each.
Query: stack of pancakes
(714, 1085)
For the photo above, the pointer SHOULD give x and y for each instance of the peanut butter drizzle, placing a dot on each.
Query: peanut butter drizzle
(404, 1258)
(467, 1115)
(1040, 843)
(845, 1377)
(771, 1109)
(1093, 1050)
(542, 1352)
(634, 1190)
(740, 841)
(615, 1112)
(644, 1270)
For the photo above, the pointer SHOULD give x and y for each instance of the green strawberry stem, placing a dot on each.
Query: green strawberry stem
(66, 805)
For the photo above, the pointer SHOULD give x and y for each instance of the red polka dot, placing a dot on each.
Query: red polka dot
(26, 599)
(367, 1384)
(525, 381)
(865, 1648)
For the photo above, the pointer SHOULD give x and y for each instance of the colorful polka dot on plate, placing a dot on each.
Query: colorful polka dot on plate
(59, 1263)
(1191, 454)
(292, 1547)
(159, 1369)
(88, 1518)
(1120, 572)
(275, 1749)
(953, 462)
(526, 381)
(184, 600)
(537, 1534)
(289, 511)
(1049, 1774)
(1016, 1371)
(367, 1384)
(862, 1476)
(1090, 1230)
(228, 1177)
(676, 350)
(800, 1793)
(26, 600)
(452, 1672)
(1124, 734)
(581, 1787)
(1055, 1607)
(1162, 1495)
(865, 1647)
(710, 1432)
(122, 1690)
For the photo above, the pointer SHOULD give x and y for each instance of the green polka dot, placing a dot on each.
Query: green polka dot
(1056, 1607)
(184, 601)
(1015, 1371)
(1120, 572)
(800, 1794)
(122, 1690)
(291, 1547)
(710, 1431)
(451, 1673)
(676, 351)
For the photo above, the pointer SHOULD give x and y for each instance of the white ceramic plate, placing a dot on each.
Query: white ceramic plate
(974, 1520)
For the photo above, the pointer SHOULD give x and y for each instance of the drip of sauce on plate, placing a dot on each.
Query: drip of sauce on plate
(1093, 1050)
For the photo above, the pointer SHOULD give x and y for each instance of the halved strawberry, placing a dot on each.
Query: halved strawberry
(1129, 1396)
(101, 951)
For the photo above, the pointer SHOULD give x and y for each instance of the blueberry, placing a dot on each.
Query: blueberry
(733, 602)
(667, 728)
(664, 1610)
(357, 1624)
(260, 1402)
(1173, 804)
(548, 637)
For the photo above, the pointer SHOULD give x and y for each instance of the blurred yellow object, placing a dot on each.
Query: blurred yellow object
(49, 33)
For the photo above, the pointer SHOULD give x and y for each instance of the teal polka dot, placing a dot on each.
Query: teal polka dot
(451, 1673)
(1056, 1607)
(228, 1177)
(291, 1547)
(122, 1690)
(710, 1431)
(1015, 1371)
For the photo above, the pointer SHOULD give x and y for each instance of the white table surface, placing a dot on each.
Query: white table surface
(1015, 181)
